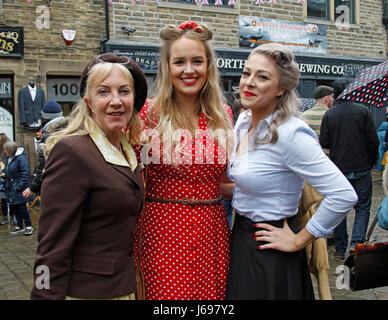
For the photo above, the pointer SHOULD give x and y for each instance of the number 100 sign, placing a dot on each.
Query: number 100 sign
(63, 89)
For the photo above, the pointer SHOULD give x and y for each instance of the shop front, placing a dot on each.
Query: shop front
(315, 69)
(7, 114)
(64, 90)
(11, 46)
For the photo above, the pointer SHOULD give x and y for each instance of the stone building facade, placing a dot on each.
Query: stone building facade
(333, 50)
(44, 56)
(342, 43)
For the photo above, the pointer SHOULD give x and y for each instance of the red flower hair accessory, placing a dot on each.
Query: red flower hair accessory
(189, 25)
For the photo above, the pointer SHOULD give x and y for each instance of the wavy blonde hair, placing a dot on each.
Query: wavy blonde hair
(165, 106)
(288, 104)
(81, 121)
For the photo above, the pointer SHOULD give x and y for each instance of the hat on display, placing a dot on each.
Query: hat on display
(140, 81)
(52, 110)
(322, 91)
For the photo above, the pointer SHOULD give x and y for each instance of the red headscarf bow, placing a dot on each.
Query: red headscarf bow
(189, 25)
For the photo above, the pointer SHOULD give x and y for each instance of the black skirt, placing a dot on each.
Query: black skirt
(266, 274)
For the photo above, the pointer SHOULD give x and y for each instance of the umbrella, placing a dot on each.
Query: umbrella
(307, 103)
(371, 86)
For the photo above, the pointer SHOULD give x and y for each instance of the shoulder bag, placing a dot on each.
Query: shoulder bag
(368, 264)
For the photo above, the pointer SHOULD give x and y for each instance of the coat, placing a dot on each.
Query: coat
(89, 210)
(317, 257)
(17, 177)
(349, 132)
(30, 111)
(381, 131)
(48, 129)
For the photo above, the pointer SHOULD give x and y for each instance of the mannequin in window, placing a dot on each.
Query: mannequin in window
(31, 101)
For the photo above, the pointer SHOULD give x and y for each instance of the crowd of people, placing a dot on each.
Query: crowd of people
(16, 186)
(132, 178)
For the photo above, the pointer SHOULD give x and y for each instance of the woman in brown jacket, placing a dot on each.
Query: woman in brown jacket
(92, 189)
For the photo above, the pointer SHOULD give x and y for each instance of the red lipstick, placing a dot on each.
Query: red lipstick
(248, 94)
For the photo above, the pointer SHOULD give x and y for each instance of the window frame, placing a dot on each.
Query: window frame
(332, 18)
(211, 3)
(328, 11)
(181, 5)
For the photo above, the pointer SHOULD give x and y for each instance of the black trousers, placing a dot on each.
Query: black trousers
(266, 274)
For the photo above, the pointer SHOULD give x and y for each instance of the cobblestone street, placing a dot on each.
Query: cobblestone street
(17, 259)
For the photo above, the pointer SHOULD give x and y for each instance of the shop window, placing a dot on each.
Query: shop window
(64, 90)
(332, 10)
(318, 9)
(385, 14)
(346, 8)
(211, 3)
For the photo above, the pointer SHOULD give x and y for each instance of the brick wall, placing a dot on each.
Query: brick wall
(367, 39)
(44, 50)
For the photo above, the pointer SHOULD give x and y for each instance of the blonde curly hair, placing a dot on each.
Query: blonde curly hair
(288, 103)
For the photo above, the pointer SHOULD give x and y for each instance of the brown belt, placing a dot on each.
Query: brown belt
(190, 202)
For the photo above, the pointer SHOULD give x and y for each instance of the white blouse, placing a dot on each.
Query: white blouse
(269, 178)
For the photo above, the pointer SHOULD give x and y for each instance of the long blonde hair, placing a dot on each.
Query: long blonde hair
(288, 103)
(211, 100)
(80, 119)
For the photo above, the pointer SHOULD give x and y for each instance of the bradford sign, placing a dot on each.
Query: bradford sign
(11, 42)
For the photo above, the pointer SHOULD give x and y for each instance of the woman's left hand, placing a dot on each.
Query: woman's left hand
(282, 239)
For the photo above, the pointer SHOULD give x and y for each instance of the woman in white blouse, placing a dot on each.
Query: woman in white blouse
(275, 153)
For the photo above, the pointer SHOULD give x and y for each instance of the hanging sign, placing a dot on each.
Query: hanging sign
(298, 37)
(11, 42)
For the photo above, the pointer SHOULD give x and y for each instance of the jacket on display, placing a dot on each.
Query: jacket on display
(30, 111)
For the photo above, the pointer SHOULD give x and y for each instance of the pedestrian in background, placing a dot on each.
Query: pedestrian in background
(4, 205)
(324, 101)
(382, 211)
(349, 132)
(17, 177)
(51, 113)
(92, 188)
(275, 153)
(381, 132)
(184, 243)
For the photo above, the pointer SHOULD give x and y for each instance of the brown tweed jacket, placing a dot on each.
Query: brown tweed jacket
(89, 210)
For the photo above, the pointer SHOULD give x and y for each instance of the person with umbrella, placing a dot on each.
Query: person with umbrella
(349, 132)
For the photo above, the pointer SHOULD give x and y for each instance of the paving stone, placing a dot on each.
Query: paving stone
(17, 257)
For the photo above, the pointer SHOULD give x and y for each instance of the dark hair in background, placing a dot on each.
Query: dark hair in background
(340, 85)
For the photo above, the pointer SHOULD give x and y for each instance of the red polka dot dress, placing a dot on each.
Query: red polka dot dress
(185, 248)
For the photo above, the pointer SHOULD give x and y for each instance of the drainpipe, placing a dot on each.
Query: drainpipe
(103, 41)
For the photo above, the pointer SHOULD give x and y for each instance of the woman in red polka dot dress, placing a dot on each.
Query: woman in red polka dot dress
(184, 244)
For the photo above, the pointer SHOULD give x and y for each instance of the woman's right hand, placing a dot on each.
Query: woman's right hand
(27, 193)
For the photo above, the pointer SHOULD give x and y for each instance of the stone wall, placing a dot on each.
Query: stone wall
(45, 52)
(366, 39)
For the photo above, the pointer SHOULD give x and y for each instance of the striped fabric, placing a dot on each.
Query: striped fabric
(313, 117)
